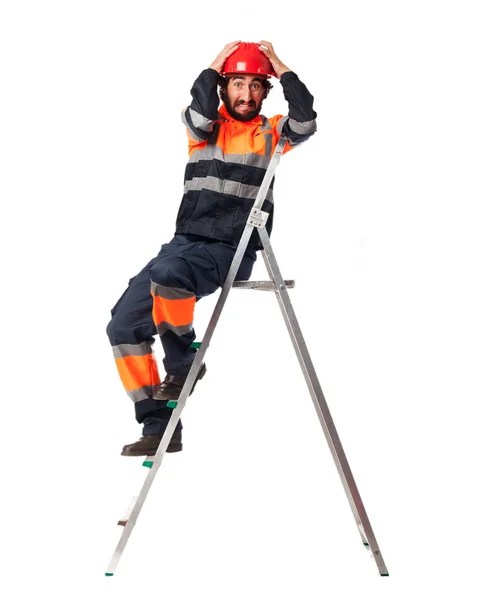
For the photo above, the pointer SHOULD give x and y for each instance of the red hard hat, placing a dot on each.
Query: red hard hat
(248, 58)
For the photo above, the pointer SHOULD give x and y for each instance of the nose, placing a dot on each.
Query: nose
(245, 94)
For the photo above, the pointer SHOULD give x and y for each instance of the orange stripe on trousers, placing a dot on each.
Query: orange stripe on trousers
(175, 312)
(138, 371)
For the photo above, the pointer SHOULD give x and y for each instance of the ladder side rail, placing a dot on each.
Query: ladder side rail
(320, 403)
(228, 284)
(195, 367)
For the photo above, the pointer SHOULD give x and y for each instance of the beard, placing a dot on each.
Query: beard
(240, 116)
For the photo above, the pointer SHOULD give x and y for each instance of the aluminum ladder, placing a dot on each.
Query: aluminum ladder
(257, 220)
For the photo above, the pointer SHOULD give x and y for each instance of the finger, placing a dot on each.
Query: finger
(267, 52)
(230, 52)
(230, 48)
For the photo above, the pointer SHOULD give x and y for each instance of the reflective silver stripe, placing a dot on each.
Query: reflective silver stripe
(215, 152)
(170, 293)
(200, 121)
(266, 124)
(123, 350)
(234, 188)
(302, 128)
(281, 122)
(142, 393)
(207, 153)
(269, 143)
(186, 124)
(163, 327)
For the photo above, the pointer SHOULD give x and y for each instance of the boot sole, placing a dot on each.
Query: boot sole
(176, 447)
(200, 375)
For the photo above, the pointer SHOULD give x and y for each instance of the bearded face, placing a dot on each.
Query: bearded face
(244, 97)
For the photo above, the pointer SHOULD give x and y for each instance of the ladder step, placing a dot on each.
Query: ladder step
(147, 463)
(124, 520)
(266, 286)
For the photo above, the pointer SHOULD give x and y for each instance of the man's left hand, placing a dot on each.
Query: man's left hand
(278, 67)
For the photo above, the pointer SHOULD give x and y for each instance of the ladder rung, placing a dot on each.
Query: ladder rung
(266, 286)
(124, 520)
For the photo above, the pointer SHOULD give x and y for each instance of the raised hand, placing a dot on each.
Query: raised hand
(219, 61)
(278, 67)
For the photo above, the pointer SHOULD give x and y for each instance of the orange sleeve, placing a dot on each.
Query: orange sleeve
(194, 144)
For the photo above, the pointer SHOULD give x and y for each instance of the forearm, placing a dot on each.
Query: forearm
(301, 121)
(204, 94)
(200, 115)
(300, 101)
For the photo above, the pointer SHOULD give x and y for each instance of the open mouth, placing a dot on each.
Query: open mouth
(245, 107)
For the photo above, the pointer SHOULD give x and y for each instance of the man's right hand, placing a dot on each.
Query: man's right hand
(219, 61)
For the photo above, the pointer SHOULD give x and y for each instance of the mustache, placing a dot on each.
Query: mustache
(251, 103)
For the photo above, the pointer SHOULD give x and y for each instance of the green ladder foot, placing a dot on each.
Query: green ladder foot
(109, 574)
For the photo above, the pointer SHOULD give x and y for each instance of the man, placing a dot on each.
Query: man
(229, 152)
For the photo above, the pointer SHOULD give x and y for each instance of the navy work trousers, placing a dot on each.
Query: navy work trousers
(199, 265)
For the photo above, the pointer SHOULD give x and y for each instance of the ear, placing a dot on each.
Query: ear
(265, 88)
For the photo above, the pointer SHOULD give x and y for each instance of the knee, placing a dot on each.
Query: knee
(119, 331)
(161, 275)
(173, 273)
(124, 330)
(113, 330)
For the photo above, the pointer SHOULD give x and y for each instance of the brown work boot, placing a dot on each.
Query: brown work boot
(170, 388)
(147, 445)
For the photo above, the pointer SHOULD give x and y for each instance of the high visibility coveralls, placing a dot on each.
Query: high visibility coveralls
(227, 162)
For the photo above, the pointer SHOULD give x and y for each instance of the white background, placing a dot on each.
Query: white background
(375, 220)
